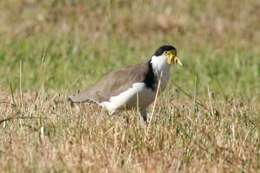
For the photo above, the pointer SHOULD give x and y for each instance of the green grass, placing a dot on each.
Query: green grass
(51, 49)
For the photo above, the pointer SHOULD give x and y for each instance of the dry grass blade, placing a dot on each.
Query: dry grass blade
(17, 118)
(154, 104)
(190, 96)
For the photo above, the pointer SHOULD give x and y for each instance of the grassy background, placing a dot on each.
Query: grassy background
(50, 49)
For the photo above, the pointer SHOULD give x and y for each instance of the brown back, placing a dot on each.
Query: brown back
(113, 84)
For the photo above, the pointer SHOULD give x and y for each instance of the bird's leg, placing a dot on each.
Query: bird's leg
(143, 116)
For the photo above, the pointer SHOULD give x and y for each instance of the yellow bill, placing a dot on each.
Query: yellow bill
(177, 61)
(173, 59)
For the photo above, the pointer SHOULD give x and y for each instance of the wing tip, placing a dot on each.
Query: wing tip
(70, 100)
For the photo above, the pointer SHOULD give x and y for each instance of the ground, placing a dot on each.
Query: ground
(207, 120)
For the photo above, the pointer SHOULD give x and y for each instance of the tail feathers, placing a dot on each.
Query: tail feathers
(81, 99)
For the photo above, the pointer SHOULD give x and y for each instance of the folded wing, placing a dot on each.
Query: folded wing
(112, 84)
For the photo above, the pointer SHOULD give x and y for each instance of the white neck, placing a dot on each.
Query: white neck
(161, 69)
(160, 65)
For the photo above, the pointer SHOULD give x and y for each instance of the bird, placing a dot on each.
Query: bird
(134, 86)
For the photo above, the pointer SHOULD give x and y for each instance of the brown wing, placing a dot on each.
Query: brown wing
(112, 84)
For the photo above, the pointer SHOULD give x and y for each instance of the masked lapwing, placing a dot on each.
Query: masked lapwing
(133, 86)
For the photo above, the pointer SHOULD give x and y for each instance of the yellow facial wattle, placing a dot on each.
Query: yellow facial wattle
(172, 58)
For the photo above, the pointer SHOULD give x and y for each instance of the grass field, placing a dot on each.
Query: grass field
(207, 120)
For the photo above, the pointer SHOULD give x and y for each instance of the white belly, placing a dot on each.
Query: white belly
(136, 96)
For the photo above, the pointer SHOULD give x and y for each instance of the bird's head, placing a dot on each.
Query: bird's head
(166, 54)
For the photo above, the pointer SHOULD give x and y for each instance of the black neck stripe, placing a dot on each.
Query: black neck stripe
(150, 78)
